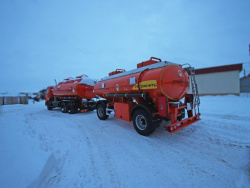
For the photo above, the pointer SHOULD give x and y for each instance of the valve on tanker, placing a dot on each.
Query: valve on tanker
(84, 101)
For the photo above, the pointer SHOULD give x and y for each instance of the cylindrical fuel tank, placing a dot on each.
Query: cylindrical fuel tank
(165, 79)
(81, 87)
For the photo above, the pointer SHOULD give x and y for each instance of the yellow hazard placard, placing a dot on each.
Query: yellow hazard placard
(149, 84)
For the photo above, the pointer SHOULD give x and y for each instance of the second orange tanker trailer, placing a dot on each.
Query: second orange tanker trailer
(149, 94)
(71, 95)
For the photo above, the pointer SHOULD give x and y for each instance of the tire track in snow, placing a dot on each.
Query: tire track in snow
(30, 130)
(104, 154)
(68, 160)
(202, 143)
(229, 117)
(147, 144)
(95, 177)
(192, 144)
(210, 147)
(107, 159)
(81, 157)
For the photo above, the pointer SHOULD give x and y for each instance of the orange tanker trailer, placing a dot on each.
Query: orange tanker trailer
(149, 94)
(71, 95)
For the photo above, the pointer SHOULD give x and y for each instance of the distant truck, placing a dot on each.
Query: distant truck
(72, 95)
(42, 93)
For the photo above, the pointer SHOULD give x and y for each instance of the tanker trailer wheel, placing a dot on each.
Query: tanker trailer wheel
(71, 108)
(63, 107)
(101, 112)
(49, 105)
(143, 123)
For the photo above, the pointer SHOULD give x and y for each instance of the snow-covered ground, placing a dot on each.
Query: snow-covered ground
(41, 148)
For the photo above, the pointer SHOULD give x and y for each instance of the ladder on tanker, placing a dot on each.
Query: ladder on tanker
(195, 92)
(196, 98)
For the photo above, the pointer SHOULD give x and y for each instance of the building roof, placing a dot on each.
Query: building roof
(224, 68)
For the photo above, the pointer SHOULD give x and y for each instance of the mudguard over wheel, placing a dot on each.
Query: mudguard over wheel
(101, 112)
(63, 107)
(143, 123)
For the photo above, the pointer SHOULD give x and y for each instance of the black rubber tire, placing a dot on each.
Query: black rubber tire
(71, 108)
(63, 107)
(143, 123)
(49, 105)
(101, 112)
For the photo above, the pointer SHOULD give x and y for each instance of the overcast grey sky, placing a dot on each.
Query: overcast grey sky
(45, 39)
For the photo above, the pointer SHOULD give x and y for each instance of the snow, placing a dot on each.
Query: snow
(12, 94)
(41, 148)
(86, 80)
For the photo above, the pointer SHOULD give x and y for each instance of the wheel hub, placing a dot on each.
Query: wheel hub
(141, 122)
(100, 112)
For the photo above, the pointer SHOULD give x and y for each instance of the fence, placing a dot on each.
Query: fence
(245, 85)
(6, 100)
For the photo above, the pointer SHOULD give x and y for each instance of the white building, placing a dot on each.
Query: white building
(221, 80)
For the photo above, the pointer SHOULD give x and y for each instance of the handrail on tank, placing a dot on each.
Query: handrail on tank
(155, 58)
(123, 70)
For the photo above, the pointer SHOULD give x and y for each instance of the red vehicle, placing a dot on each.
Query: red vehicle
(71, 95)
(149, 94)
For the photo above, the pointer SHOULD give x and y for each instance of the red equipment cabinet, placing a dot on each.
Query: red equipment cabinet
(71, 94)
(149, 94)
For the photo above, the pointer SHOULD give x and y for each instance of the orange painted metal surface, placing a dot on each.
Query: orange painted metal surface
(122, 111)
(174, 127)
(73, 88)
(49, 93)
(173, 111)
(171, 81)
(164, 84)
